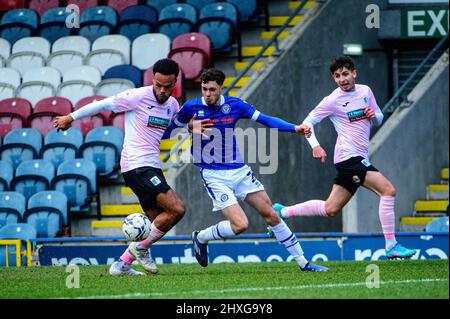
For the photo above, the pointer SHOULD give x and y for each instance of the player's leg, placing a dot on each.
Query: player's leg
(261, 202)
(379, 184)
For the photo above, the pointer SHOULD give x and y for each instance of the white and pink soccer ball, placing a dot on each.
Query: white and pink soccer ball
(136, 227)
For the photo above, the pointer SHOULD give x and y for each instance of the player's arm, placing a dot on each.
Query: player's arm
(373, 111)
(281, 125)
(64, 122)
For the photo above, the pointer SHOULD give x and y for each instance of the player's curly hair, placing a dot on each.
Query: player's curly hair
(342, 62)
(166, 67)
(213, 75)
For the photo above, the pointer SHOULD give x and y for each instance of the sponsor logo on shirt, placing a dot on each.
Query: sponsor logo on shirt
(356, 115)
(157, 122)
(201, 113)
(345, 104)
(155, 180)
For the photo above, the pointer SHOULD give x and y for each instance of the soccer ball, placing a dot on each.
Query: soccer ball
(136, 227)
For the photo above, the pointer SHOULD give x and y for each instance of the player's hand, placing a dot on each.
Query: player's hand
(369, 113)
(199, 127)
(303, 130)
(63, 122)
(319, 152)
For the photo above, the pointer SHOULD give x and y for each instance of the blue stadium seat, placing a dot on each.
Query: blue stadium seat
(19, 145)
(438, 225)
(17, 24)
(103, 146)
(15, 231)
(138, 20)
(247, 9)
(6, 175)
(47, 212)
(177, 19)
(33, 176)
(77, 179)
(12, 208)
(53, 24)
(126, 71)
(160, 4)
(199, 4)
(61, 146)
(219, 22)
(97, 21)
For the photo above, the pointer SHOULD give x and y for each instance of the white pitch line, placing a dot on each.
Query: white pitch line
(222, 291)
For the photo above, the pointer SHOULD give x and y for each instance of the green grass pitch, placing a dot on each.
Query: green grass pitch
(404, 279)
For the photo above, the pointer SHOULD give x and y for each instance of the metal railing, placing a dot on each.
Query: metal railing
(277, 52)
(400, 98)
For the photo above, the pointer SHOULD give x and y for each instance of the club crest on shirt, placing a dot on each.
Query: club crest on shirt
(201, 113)
(226, 108)
(224, 197)
(366, 100)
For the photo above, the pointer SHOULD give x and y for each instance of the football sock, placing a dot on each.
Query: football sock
(387, 219)
(309, 208)
(220, 230)
(288, 239)
(155, 235)
(127, 257)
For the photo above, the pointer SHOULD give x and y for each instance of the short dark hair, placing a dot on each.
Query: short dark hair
(213, 75)
(342, 62)
(166, 67)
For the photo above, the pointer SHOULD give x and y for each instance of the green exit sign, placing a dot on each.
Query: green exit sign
(423, 22)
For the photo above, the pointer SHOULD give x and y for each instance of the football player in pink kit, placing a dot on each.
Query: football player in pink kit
(149, 111)
(353, 109)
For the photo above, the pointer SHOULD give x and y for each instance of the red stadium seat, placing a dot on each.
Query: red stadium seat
(119, 5)
(83, 4)
(6, 5)
(88, 123)
(46, 110)
(192, 51)
(178, 92)
(40, 6)
(118, 120)
(13, 114)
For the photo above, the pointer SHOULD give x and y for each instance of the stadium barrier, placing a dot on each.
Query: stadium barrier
(248, 248)
(17, 243)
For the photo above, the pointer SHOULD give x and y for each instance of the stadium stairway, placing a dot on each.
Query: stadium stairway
(435, 205)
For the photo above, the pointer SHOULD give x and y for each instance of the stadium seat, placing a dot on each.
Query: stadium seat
(87, 124)
(77, 179)
(39, 83)
(438, 225)
(177, 19)
(9, 82)
(103, 146)
(45, 112)
(12, 208)
(149, 48)
(219, 22)
(109, 51)
(41, 6)
(128, 72)
(53, 24)
(69, 52)
(247, 9)
(17, 24)
(6, 175)
(111, 87)
(120, 5)
(83, 4)
(29, 53)
(47, 212)
(97, 21)
(199, 4)
(137, 20)
(60, 146)
(5, 52)
(14, 114)
(33, 176)
(178, 91)
(192, 52)
(15, 231)
(12, 4)
(160, 4)
(20, 145)
(79, 82)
